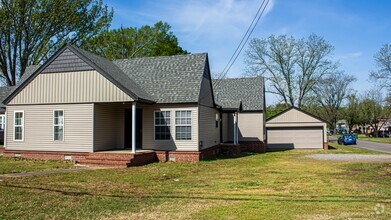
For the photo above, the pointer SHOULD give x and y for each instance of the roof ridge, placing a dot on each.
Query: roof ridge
(166, 56)
(251, 77)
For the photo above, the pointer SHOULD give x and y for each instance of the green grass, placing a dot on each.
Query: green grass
(17, 165)
(277, 185)
(335, 148)
(374, 139)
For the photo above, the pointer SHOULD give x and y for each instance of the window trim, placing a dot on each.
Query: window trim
(154, 125)
(22, 125)
(190, 125)
(63, 125)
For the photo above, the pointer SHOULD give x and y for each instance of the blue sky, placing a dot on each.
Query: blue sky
(356, 28)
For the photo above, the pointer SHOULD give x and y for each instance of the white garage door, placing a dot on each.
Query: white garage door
(295, 137)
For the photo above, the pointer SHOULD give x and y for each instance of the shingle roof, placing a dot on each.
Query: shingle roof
(249, 90)
(168, 79)
(3, 93)
(6, 91)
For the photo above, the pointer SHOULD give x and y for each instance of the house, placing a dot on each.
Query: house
(3, 93)
(295, 128)
(83, 107)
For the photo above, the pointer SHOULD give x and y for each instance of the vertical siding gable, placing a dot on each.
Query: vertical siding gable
(293, 115)
(70, 87)
(67, 61)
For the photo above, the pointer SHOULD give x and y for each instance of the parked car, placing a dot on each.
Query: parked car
(330, 132)
(383, 134)
(347, 139)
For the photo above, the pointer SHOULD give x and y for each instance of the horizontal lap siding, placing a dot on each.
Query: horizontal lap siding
(70, 87)
(149, 141)
(109, 125)
(209, 133)
(38, 128)
(251, 126)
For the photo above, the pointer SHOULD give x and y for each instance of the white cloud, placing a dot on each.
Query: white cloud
(349, 55)
(215, 27)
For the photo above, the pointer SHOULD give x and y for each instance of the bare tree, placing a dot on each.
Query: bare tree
(383, 63)
(330, 92)
(351, 112)
(371, 109)
(292, 66)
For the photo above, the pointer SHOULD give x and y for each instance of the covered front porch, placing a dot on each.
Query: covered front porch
(118, 127)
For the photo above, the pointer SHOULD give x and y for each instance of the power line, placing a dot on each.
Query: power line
(244, 36)
(241, 45)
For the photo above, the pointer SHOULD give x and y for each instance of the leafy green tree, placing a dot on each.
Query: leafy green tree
(31, 31)
(131, 42)
(275, 109)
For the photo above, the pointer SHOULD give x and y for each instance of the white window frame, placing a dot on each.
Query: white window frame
(184, 125)
(22, 125)
(59, 125)
(154, 126)
(2, 124)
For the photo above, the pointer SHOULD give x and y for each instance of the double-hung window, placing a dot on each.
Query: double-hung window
(183, 125)
(162, 125)
(18, 125)
(2, 122)
(58, 125)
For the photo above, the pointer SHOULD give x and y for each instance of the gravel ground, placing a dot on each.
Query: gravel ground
(351, 157)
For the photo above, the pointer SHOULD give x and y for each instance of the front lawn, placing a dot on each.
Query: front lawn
(277, 185)
(335, 148)
(17, 165)
(374, 139)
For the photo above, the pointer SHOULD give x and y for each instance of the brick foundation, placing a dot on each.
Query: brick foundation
(326, 145)
(253, 146)
(178, 156)
(141, 158)
(2, 149)
(95, 159)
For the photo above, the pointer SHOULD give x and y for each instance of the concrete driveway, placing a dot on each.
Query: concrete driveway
(380, 147)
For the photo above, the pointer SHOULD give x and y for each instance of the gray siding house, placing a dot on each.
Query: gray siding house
(78, 103)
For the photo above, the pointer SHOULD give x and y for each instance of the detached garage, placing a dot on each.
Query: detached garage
(296, 129)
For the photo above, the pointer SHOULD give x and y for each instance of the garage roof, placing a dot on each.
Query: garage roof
(294, 115)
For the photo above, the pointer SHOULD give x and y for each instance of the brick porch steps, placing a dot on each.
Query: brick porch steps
(118, 159)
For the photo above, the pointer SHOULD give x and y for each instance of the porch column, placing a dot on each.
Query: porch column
(235, 128)
(133, 127)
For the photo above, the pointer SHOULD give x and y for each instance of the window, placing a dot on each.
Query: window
(58, 125)
(18, 125)
(2, 122)
(162, 125)
(183, 125)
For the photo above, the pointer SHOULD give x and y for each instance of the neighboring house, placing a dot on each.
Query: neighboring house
(3, 93)
(342, 125)
(295, 128)
(78, 103)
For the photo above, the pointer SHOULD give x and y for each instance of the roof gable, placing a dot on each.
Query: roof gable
(67, 61)
(294, 115)
(71, 59)
(206, 96)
